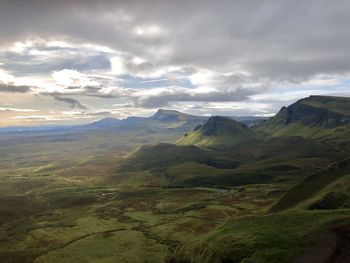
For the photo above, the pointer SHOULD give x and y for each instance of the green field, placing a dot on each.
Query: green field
(93, 209)
(52, 218)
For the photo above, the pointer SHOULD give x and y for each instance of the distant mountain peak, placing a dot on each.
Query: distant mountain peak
(166, 111)
(164, 115)
(167, 115)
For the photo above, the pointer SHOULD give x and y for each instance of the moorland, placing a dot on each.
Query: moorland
(175, 187)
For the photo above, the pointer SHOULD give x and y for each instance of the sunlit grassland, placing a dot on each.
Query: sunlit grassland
(47, 218)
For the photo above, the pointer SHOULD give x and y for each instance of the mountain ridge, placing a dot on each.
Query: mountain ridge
(314, 116)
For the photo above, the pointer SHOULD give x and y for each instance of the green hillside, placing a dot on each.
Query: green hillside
(218, 132)
(317, 117)
(327, 189)
(273, 238)
(256, 162)
(164, 155)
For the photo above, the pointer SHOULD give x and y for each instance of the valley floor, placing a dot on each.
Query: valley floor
(51, 223)
(80, 206)
(59, 218)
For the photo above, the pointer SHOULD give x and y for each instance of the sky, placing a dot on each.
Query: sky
(77, 61)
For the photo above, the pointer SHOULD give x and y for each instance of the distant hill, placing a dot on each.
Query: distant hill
(236, 154)
(312, 117)
(218, 132)
(172, 119)
(169, 121)
(102, 124)
(173, 116)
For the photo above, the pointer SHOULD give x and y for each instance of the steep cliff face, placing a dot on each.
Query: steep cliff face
(312, 116)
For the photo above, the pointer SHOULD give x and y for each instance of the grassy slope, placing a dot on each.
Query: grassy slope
(298, 129)
(275, 160)
(317, 186)
(163, 155)
(64, 220)
(218, 132)
(270, 238)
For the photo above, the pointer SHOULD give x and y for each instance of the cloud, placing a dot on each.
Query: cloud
(41, 118)
(2, 109)
(72, 102)
(161, 97)
(32, 117)
(4, 87)
(298, 70)
(153, 53)
(198, 33)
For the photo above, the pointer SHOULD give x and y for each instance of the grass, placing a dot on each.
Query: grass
(270, 238)
(298, 129)
(118, 246)
(314, 184)
(88, 210)
(221, 132)
(79, 220)
(75, 198)
(163, 155)
(274, 160)
(115, 222)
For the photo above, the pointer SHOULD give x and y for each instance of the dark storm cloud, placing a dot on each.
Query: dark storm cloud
(4, 87)
(213, 34)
